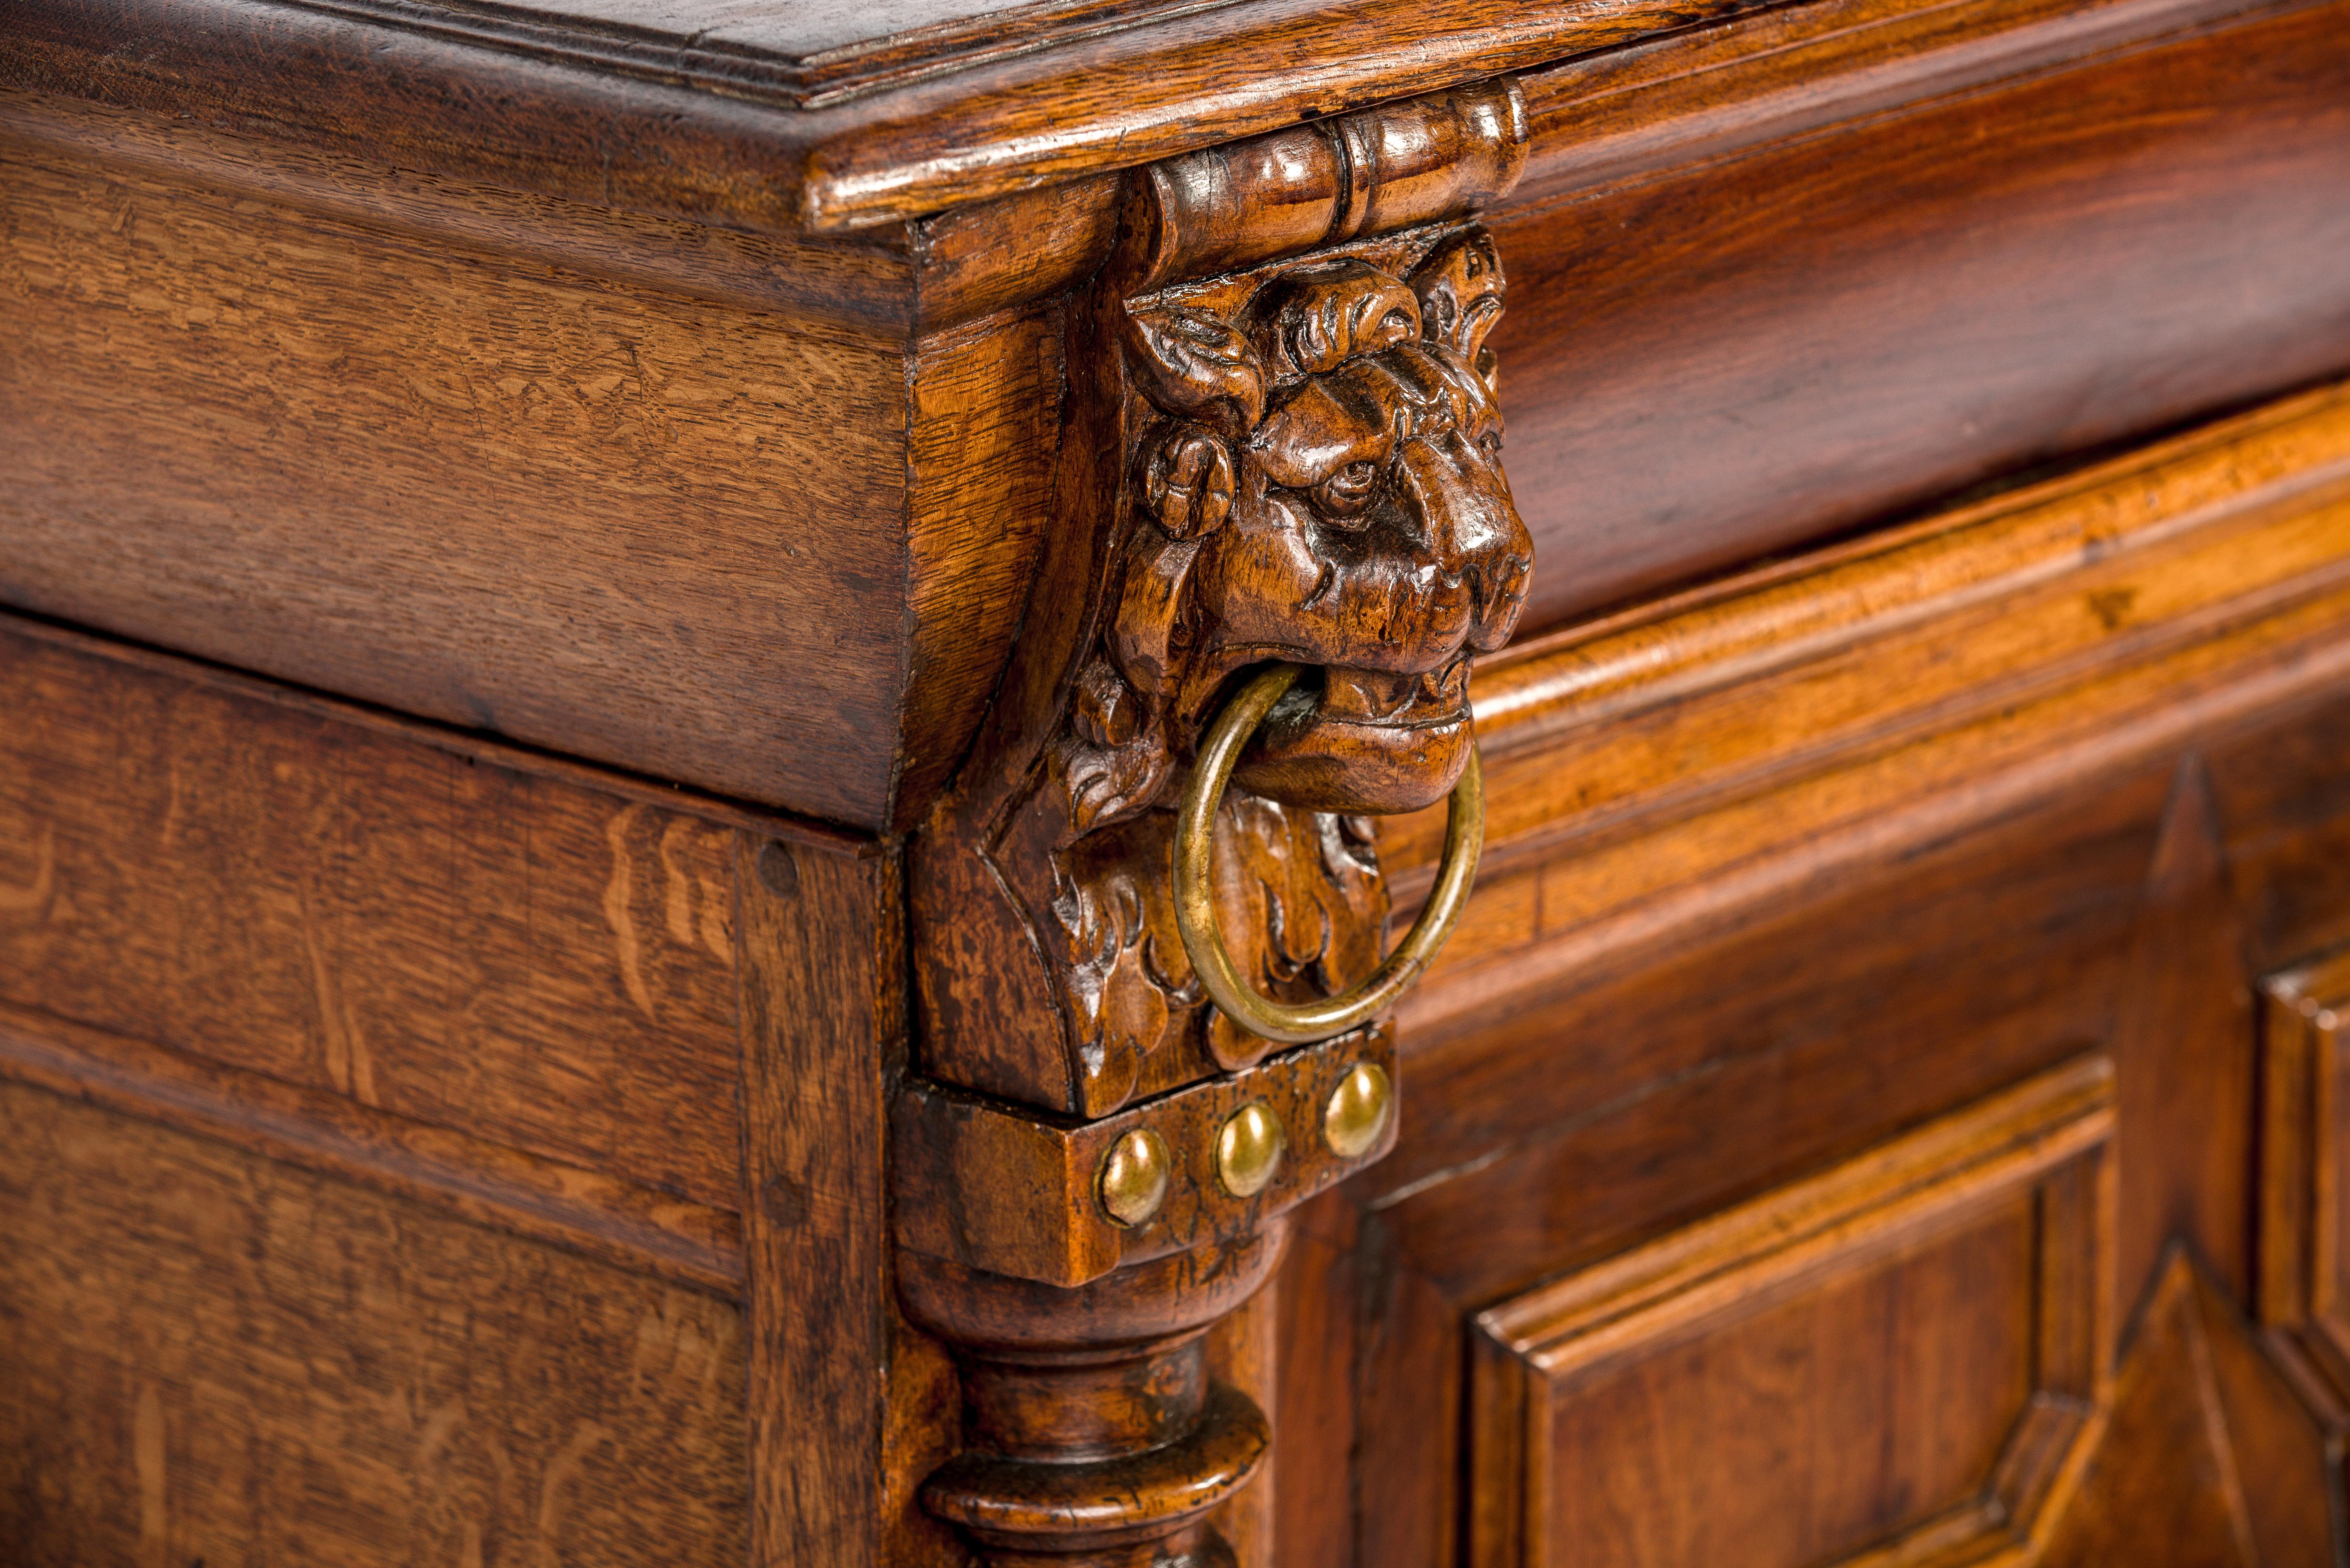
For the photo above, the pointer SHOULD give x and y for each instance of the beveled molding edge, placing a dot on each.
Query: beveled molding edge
(1280, 514)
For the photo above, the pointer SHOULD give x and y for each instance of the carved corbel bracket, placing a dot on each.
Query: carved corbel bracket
(1283, 445)
(1283, 448)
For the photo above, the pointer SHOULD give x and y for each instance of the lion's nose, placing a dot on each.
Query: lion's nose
(1469, 525)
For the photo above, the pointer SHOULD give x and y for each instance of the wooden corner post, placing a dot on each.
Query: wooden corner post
(1148, 922)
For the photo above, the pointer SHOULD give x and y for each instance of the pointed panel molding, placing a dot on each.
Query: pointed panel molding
(1898, 1360)
(2210, 1460)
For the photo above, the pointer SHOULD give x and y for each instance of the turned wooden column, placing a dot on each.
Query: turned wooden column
(1280, 536)
(1094, 1432)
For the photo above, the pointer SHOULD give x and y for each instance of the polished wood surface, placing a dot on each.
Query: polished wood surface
(1988, 236)
(1842, 259)
(608, 613)
(732, 126)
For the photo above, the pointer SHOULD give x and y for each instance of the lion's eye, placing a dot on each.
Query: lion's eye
(1349, 489)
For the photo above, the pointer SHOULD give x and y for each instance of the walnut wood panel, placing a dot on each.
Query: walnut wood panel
(676, 534)
(370, 910)
(206, 1356)
(1822, 264)
(1892, 1361)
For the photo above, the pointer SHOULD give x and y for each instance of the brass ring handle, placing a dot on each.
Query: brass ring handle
(1300, 1023)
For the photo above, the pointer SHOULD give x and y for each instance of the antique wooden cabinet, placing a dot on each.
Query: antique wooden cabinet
(807, 785)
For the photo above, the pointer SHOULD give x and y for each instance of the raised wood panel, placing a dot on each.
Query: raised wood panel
(364, 909)
(1893, 1361)
(2304, 1253)
(207, 1356)
(674, 533)
(1798, 272)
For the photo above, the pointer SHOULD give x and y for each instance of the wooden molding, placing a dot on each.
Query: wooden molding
(776, 124)
(732, 126)
(1630, 114)
(2025, 1177)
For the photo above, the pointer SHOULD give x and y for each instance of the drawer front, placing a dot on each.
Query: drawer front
(1793, 276)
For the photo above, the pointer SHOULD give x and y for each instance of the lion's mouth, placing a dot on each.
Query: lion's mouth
(1364, 740)
(1374, 697)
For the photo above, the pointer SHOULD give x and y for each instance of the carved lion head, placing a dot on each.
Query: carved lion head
(1318, 480)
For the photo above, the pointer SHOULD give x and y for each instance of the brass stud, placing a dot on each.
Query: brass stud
(1134, 1176)
(1358, 1110)
(1248, 1149)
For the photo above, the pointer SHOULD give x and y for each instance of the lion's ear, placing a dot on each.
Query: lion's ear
(1186, 480)
(1194, 366)
(1460, 287)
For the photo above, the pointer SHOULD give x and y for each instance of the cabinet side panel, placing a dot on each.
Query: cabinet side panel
(659, 531)
(350, 908)
(208, 1357)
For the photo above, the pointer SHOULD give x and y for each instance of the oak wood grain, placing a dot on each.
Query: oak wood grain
(360, 911)
(725, 515)
(331, 1135)
(1634, 1052)
(207, 1355)
(1776, 295)
(575, 115)
(850, 1407)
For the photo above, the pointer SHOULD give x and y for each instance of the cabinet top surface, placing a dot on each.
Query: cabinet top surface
(826, 115)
